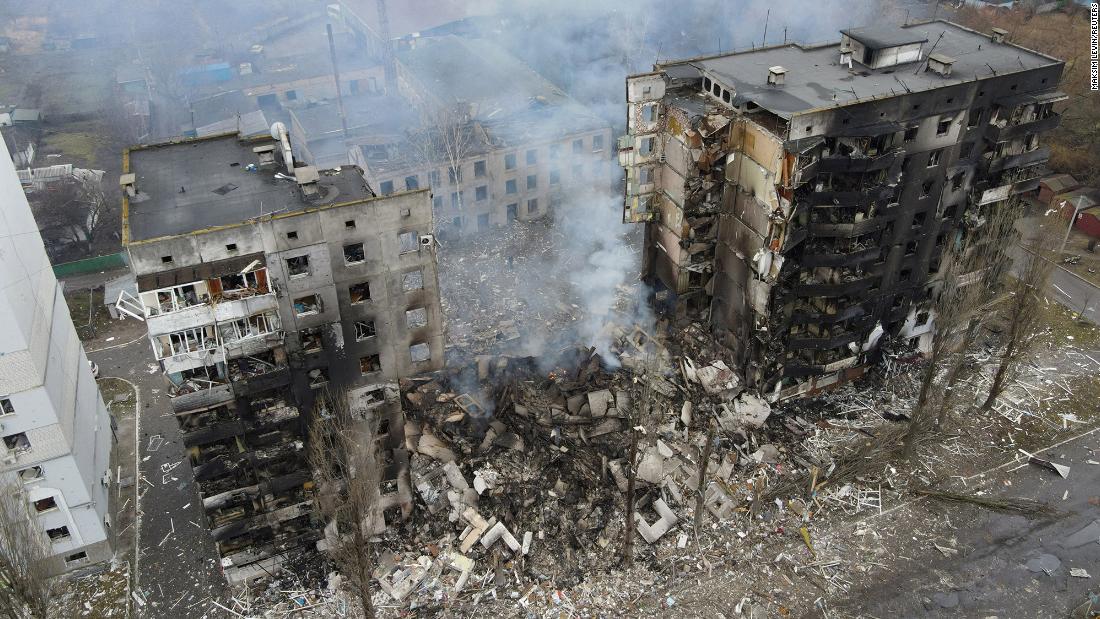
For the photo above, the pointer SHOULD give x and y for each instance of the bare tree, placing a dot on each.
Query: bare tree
(1023, 317)
(24, 589)
(344, 458)
(448, 136)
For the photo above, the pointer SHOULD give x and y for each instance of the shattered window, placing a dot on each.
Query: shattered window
(386, 187)
(975, 118)
(17, 442)
(416, 318)
(532, 157)
(304, 306)
(965, 150)
(481, 193)
(5, 407)
(354, 254)
(480, 169)
(934, 157)
(45, 505)
(359, 292)
(926, 188)
(407, 242)
(510, 186)
(532, 206)
(434, 178)
(532, 181)
(364, 329)
(58, 534)
(646, 145)
(30, 474)
(412, 182)
(510, 161)
(419, 353)
(911, 133)
(413, 280)
(298, 266)
(317, 377)
(597, 143)
(454, 174)
(370, 364)
(944, 125)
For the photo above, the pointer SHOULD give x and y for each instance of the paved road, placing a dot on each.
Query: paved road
(1071, 291)
(1009, 566)
(177, 565)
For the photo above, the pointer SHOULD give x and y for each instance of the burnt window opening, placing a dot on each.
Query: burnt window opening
(359, 293)
(419, 353)
(905, 275)
(231, 247)
(416, 318)
(957, 180)
(383, 427)
(370, 364)
(966, 150)
(597, 143)
(349, 224)
(726, 96)
(413, 280)
(408, 242)
(922, 318)
(386, 187)
(510, 161)
(532, 181)
(934, 157)
(311, 340)
(950, 99)
(532, 207)
(1031, 142)
(354, 253)
(809, 128)
(532, 157)
(6, 407)
(512, 212)
(510, 186)
(45, 505)
(318, 377)
(307, 305)
(76, 557)
(916, 106)
(951, 211)
(981, 93)
(645, 146)
(910, 248)
(918, 219)
(298, 266)
(412, 182)
(166, 259)
(706, 83)
(58, 534)
(364, 329)
(481, 193)
(17, 442)
(292, 235)
(926, 188)
(943, 126)
(911, 134)
(480, 169)
(940, 240)
(555, 177)
(899, 301)
(975, 118)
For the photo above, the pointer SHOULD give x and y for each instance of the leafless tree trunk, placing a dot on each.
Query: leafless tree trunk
(448, 137)
(24, 589)
(1023, 317)
(701, 489)
(631, 475)
(344, 457)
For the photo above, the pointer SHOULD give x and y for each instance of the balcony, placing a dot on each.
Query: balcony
(848, 163)
(824, 342)
(996, 164)
(858, 228)
(996, 133)
(232, 309)
(830, 198)
(202, 398)
(831, 257)
(837, 289)
(213, 434)
(257, 383)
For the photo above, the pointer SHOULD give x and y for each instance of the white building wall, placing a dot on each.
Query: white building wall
(45, 374)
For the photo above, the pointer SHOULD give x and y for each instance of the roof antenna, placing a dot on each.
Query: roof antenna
(766, 18)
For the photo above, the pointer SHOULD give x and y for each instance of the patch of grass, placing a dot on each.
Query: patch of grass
(78, 145)
(89, 324)
(1064, 328)
(112, 389)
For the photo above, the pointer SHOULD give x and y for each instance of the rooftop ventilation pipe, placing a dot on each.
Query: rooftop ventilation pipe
(278, 131)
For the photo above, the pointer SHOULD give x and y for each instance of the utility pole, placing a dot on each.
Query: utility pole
(388, 61)
(336, 76)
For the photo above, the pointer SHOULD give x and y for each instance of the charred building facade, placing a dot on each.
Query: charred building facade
(799, 198)
(262, 283)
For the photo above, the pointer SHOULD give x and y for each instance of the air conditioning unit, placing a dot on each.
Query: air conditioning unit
(427, 240)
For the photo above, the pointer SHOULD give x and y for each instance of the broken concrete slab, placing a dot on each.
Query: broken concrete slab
(653, 532)
(499, 532)
(652, 466)
(1089, 534)
(431, 446)
(1044, 563)
(599, 401)
(768, 454)
(718, 379)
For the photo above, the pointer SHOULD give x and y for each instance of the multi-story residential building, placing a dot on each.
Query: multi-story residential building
(799, 198)
(55, 432)
(490, 155)
(261, 283)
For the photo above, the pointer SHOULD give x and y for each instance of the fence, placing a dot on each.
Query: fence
(91, 265)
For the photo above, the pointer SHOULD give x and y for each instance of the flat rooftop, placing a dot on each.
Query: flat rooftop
(815, 78)
(196, 184)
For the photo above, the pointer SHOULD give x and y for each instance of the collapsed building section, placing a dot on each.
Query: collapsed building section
(261, 284)
(799, 198)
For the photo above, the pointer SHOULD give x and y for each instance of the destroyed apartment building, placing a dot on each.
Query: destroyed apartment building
(799, 198)
(262, 283)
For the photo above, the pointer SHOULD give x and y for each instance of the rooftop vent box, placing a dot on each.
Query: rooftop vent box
(940, 63)
(776, 75)
(307, 177)
(846, 58)
(997, 35)
(266, 154)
